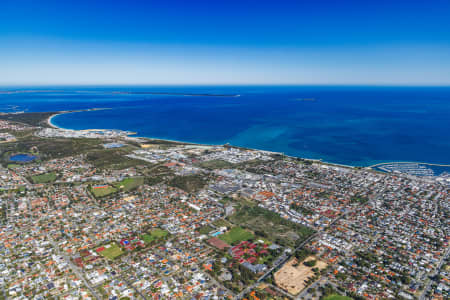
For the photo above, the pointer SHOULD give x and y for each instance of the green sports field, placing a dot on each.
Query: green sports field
(112, 252)
(102, 192)
(235, 235)
(129, 184)
(154, 235)
(44, 178)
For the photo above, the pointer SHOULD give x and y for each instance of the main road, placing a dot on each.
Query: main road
(74, 268)
(436, 271)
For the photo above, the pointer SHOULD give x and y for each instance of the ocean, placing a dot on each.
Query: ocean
(358, 126)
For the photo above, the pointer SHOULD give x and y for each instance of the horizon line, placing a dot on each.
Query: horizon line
(219, 84)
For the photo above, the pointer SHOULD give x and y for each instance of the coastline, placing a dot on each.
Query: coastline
(354, 138)
(372, 167)
(51, 124)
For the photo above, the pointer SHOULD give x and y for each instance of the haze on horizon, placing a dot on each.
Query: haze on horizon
(228, 42)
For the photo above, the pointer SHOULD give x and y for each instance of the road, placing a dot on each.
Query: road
(74, 268)
(251, 287)
(305, 290)
(441, 262)
(132, 286)
(4, 292)
(286, 294)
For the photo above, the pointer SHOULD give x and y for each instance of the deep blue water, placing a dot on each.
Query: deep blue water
(22, 158)
(349, 125)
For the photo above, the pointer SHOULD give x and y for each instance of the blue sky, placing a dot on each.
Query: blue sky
(225, 42)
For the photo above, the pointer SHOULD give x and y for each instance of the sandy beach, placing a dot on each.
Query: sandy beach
(49, 121)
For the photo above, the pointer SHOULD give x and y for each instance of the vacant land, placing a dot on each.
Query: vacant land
(222, 223)
(129, 184)
(293, 275)
(44, 178)
(103, 191)
(215, 164)
(154, 235)
(190, 183)
(236, 235)
(18, 134)
(205, 229)
(111, 251)
(271, 226)
(113, 158)
(157, 174)
(33, 119)
(48, 148)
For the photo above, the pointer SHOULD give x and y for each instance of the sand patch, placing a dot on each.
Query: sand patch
(292, 277)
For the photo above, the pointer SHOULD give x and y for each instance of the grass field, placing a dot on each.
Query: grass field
(112, 252)
(159, 233)
(129, 184)
(235, 235)
(102, 192)
(44, 178)
(147, 238)
(336, 297)
(13, 166)
(154, 235)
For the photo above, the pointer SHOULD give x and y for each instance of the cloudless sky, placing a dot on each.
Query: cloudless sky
(380, 42)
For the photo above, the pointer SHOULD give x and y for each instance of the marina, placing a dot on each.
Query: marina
(413, 168)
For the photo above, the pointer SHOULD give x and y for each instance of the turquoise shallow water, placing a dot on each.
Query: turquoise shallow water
(349, 125)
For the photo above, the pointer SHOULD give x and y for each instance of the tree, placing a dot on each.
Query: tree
(310, 263)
